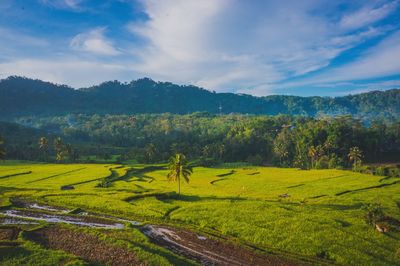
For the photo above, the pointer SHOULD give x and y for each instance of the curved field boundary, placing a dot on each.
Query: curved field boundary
(113, 176)
(16, 174)
(367, 188)
(48, 177)
(217, 180)
(226, 174)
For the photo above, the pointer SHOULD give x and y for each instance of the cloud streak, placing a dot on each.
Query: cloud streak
(258, 47)
(94, 42)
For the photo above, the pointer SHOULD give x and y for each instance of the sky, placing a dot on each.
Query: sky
(258, 47)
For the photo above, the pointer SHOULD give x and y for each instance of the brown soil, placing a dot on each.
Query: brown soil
(9, 233)
(210, 251)
(86, 246)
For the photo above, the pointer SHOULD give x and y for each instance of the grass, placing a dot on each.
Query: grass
(317, 219)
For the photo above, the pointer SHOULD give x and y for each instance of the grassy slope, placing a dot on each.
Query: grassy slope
(244, 204)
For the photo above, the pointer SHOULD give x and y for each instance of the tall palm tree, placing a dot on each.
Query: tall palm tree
(355, 155)
(43, 143)
(2, 150)
(43, 146)
(58, 147)
(150, 152)
(313, 154)
(179, 167)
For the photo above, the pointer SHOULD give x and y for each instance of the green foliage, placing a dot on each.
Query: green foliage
(374, 213)
(325, 207)
(280, 140)
(355, 155)
(179, 168)
(26, 97)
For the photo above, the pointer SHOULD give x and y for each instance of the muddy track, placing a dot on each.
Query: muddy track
(201, 248)
(209, 251)
(84, 245)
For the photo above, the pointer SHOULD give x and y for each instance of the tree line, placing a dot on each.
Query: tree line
(288, 141)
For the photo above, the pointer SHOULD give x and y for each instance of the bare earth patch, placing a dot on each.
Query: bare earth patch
(209, 251)
(88, 247)
(9, 234)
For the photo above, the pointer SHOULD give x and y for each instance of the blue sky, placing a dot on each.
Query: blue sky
(259, 47)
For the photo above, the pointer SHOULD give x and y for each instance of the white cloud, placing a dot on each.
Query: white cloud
(63, 4)
(222, 45)
(367, 15)
(237, 45)
(377, 62)
(94, 42)
(72, 71)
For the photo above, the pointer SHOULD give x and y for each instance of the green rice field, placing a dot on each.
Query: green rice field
(317, 214)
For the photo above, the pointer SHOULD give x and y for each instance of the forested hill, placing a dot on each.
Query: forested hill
(23, 97)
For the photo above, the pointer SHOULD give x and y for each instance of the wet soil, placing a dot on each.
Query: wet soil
(86, 246)
(210, 251)
(9, 233)
(88, 221)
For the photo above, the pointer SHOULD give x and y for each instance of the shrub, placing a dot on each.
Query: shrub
(104, 183)
(255, 159)
(374, 213)
(324, 255)
(381, 171)
(322, 163)
(394, 172)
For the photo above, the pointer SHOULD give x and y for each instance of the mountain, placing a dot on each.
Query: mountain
(26, 97)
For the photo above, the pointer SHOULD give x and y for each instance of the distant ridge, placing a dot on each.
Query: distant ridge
(27, 97)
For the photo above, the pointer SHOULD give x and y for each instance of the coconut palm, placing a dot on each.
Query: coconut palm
(43, 146)
(179, 168)
(150, 152)
(43, 143)
(355, 155)
(313, 154)
(59, 148)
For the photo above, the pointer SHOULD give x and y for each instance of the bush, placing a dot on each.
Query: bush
(374, 214)
(394, 172)
(104, 183)
(322, 163)
(255, 159)
(381, 171)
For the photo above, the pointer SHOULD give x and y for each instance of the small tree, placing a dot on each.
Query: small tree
(179, 168)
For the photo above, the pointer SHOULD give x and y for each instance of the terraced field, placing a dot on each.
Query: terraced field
(287, 215)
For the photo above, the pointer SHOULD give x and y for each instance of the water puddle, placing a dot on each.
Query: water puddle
(84, 213)
(54, 218)
(46, 208)
(11, 221)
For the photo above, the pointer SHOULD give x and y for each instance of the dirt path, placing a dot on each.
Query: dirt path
(209, 251)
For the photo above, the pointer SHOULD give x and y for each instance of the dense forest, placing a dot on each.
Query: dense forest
(209, 139)
(24, 97)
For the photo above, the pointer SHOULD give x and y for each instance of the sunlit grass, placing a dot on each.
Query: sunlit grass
(323, 213)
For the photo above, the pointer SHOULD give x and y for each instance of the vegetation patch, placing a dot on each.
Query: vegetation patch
(84, 245)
